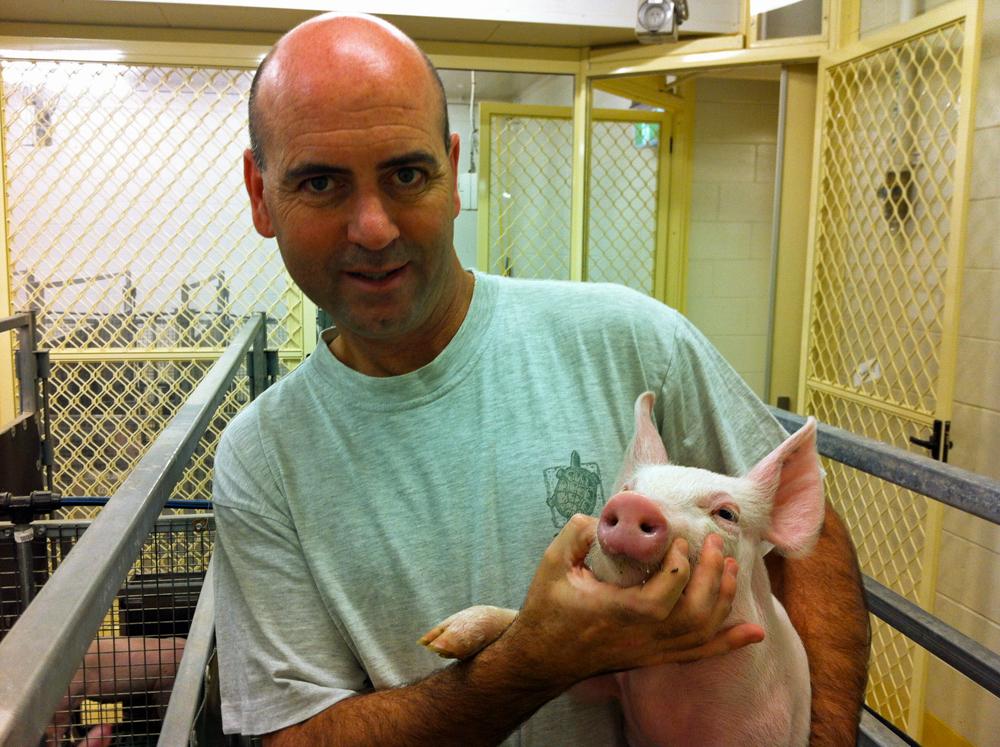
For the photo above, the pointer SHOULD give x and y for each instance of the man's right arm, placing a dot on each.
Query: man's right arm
(571, 627)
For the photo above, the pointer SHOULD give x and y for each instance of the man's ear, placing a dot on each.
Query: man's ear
(254, 181)
(453, 157)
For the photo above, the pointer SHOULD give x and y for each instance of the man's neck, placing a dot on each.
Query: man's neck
(397, 356)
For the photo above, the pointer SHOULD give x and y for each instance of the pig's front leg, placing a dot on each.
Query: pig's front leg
(467, 632)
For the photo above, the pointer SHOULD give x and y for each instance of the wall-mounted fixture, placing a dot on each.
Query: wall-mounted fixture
(658, 21)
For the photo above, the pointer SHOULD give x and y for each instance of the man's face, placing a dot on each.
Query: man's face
(360, 192)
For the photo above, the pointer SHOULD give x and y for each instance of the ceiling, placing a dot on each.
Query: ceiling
(275, 21)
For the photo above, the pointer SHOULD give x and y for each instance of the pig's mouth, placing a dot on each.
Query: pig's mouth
(619, 569)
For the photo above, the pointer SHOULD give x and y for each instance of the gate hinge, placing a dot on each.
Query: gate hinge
(939, 444)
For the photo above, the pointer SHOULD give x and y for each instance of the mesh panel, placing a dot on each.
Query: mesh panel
(887, 524)
(129, 233)
(125, 680)
(623, 205)
(128, 218)
(530, 192)
(890, 133)
(890, 136)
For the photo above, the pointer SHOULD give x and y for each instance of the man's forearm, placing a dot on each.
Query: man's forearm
(824, 599)
(474, 702)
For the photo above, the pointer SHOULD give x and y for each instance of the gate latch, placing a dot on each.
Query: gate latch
(940, 441)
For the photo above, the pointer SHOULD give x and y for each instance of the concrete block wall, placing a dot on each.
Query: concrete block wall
(969, 577)
(729, 248)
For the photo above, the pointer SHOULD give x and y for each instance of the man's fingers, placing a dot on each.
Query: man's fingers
(721, 643)
(706, 580)
(665, 587)
(573, 543)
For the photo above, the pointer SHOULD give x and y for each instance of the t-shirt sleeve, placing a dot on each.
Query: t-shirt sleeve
(710, 417)
(282, 658)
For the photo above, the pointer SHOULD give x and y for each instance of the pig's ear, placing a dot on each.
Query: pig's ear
(647, 446)
(791, 476)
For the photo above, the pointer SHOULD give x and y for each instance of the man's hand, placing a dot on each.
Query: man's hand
(573, 626)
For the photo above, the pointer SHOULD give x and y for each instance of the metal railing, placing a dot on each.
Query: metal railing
(41, 653)
(966, 491)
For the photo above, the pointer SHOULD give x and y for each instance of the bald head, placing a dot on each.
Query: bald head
(348, 46)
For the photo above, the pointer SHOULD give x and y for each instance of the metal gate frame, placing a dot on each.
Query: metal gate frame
(577, 259)
(968, 14)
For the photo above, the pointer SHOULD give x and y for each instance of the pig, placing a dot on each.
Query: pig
(757, 695)
(113, 670)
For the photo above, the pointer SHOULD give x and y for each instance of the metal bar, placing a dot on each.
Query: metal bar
(256, 361)
(14, 322)
(27, 365)
(873, 733)
(89, 500)
(967, 491)
(40, 654)
(779, 164)
(969, 657)
(23, 534)
(186, 694)
(53, 527)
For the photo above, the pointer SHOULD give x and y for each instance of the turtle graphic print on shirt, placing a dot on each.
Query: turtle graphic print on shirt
(572, 489)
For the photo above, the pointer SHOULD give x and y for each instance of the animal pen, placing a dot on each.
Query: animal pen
(127, 230)
(137, 578)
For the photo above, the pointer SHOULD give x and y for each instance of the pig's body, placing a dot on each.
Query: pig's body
(757, 695)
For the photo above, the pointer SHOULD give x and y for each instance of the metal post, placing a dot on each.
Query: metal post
(23, 534)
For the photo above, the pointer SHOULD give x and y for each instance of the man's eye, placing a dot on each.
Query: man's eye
(319, 183)
(408, 177)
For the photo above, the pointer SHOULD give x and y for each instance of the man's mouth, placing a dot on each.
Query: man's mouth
(376, 276)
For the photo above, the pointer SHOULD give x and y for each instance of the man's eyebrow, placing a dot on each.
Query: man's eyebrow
(408, 159)
(312, 168)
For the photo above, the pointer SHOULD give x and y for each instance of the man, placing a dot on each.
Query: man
(424, 459)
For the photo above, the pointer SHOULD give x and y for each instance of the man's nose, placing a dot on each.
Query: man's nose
(371, 226)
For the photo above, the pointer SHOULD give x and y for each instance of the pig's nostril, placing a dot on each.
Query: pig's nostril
(647, 528)
(613, 521)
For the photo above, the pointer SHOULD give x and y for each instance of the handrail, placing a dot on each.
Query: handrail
(966, 491)
(954, 648)
(959, 488)
(185, 696)
(43, 650)
(873, 733)
(15, 322)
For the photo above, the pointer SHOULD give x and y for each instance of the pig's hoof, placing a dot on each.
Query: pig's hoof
(467, 632)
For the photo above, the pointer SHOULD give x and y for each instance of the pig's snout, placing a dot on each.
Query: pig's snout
(633, 526)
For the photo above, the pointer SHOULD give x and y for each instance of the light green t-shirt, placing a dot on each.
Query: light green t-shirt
(353, 513)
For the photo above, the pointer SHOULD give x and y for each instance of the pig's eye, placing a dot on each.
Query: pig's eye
(729, 514)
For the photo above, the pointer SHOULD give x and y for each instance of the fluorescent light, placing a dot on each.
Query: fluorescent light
(763, 6)
(41, 51)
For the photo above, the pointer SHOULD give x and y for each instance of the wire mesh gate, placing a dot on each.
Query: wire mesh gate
(525, 224)
(128, 233)
(886, 254)
(126, 677)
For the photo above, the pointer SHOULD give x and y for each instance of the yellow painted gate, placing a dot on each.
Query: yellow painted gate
(526, 190)
(895, 123)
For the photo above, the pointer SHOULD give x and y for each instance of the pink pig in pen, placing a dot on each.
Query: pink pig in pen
(756, 695)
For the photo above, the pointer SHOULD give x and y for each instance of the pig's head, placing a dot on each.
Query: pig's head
(780, 501)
